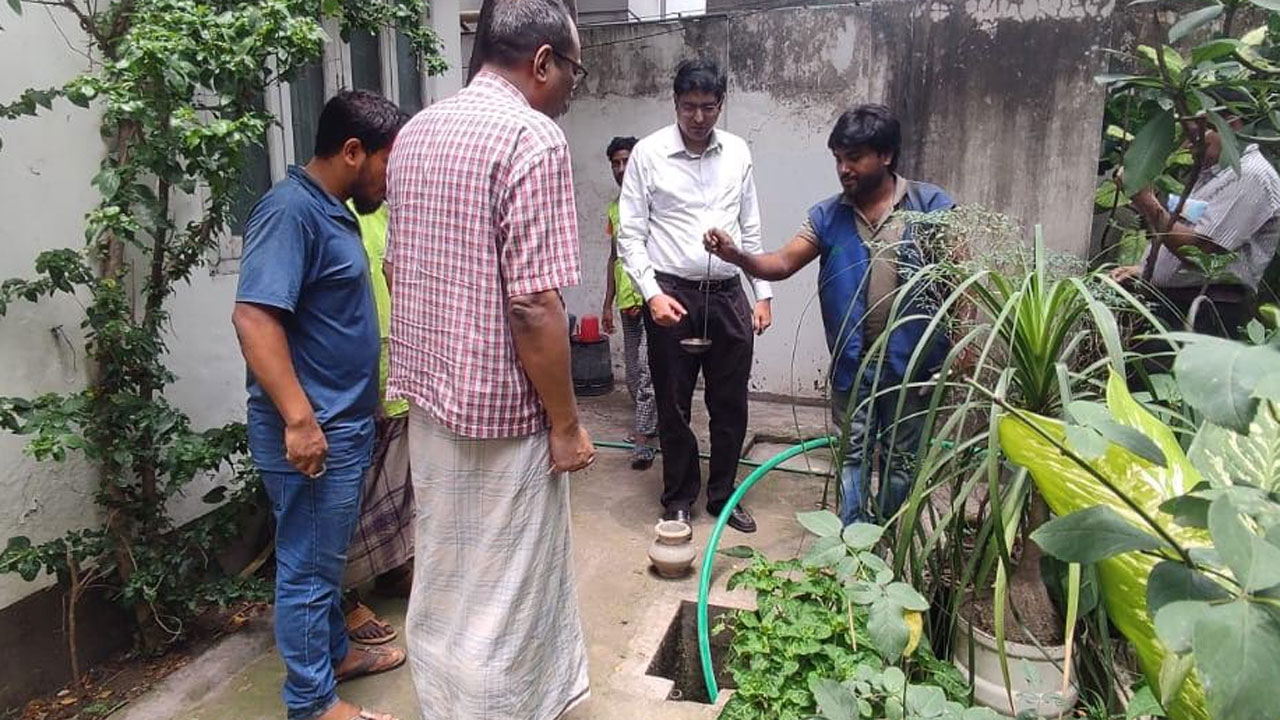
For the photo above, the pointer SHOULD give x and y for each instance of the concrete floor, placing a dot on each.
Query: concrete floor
(625, 607)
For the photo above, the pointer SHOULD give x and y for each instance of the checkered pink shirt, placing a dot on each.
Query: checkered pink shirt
(482, 209)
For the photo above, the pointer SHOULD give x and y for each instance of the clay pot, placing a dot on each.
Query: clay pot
(672, 551)
(1036, 681)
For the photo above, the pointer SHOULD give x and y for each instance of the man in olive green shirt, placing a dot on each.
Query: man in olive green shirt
(618, 288)
(382, 546)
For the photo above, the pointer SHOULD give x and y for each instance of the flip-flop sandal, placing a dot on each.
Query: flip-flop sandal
(374, 660)
(364, 627)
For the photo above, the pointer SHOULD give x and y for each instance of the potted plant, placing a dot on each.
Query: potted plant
(1186, 543)
(1039, 333)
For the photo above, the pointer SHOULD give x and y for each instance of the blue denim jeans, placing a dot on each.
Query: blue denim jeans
(315, 520)
(870, 427)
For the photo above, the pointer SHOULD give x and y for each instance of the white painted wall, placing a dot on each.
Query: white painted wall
(45, 168)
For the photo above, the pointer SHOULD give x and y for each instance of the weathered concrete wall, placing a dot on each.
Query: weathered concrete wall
(996, 98)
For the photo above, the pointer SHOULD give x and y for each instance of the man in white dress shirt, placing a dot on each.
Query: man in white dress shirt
(682, 181)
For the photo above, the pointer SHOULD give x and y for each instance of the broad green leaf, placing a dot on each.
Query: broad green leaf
(906, 596)
(826, 551)
(1213, 50)
(1257, 335)
(862, 536)
(1226, 458)
(834, 702)
(1193, 21)
(1176, 623)
(1147, 155)
(1172, 59)
(1099, 418)
(888, 631)
(1086, 442)
(1143, 704)
(1230, 143)
(822, 523)
(847, 568)
(980, 713)
(1087, 536)
(1171, 581)
(16, 5)
(865, 593)
(926, 701)
(1173, 675)
(893, 680)
(875, 564)
(1188, 511)
(1217, 377)
(1237, 651)
(738, 551)
(1254, 561)
(1069, 488)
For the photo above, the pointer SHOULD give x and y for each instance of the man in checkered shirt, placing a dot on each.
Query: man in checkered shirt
(483, 235)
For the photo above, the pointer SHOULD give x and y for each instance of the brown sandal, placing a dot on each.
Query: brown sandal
(366, 628)
(373, 660)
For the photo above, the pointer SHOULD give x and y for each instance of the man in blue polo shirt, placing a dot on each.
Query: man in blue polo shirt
(867, 254)
(308, 329)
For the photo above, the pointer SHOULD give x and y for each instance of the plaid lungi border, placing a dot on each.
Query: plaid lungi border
(383, 539)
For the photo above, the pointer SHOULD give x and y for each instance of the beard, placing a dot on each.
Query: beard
(365, 205)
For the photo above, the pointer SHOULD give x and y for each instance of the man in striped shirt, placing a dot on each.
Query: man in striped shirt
(1227, 211)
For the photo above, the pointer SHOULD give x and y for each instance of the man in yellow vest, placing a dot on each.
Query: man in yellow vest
(618, 288)
(382, 547)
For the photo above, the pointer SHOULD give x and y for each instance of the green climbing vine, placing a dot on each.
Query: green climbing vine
(177, 84)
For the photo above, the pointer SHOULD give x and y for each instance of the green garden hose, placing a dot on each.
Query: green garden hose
(705, 456)
(704, 580)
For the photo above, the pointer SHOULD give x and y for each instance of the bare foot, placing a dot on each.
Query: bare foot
(344, 710)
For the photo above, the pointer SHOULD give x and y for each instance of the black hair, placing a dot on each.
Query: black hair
(620, 143)
(510, 31)
(700, 75)
(360, 114)
(872, 126)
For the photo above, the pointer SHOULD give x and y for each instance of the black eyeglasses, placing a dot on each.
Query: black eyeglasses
(579, 73)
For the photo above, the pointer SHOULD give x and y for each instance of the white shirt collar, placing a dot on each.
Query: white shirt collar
(674, 144)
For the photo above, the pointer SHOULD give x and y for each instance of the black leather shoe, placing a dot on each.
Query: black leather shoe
(741, 520)
(678, 516)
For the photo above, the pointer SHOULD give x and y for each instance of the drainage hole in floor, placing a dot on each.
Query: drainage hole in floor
(678, 660)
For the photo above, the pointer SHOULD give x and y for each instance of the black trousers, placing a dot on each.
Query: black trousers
(725, 369)
(1223, 313)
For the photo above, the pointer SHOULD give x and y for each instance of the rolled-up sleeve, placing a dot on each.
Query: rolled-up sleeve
(749, 221)
(633, 230)
(539, 225)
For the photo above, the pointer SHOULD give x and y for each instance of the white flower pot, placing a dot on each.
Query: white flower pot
(1034, 677)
